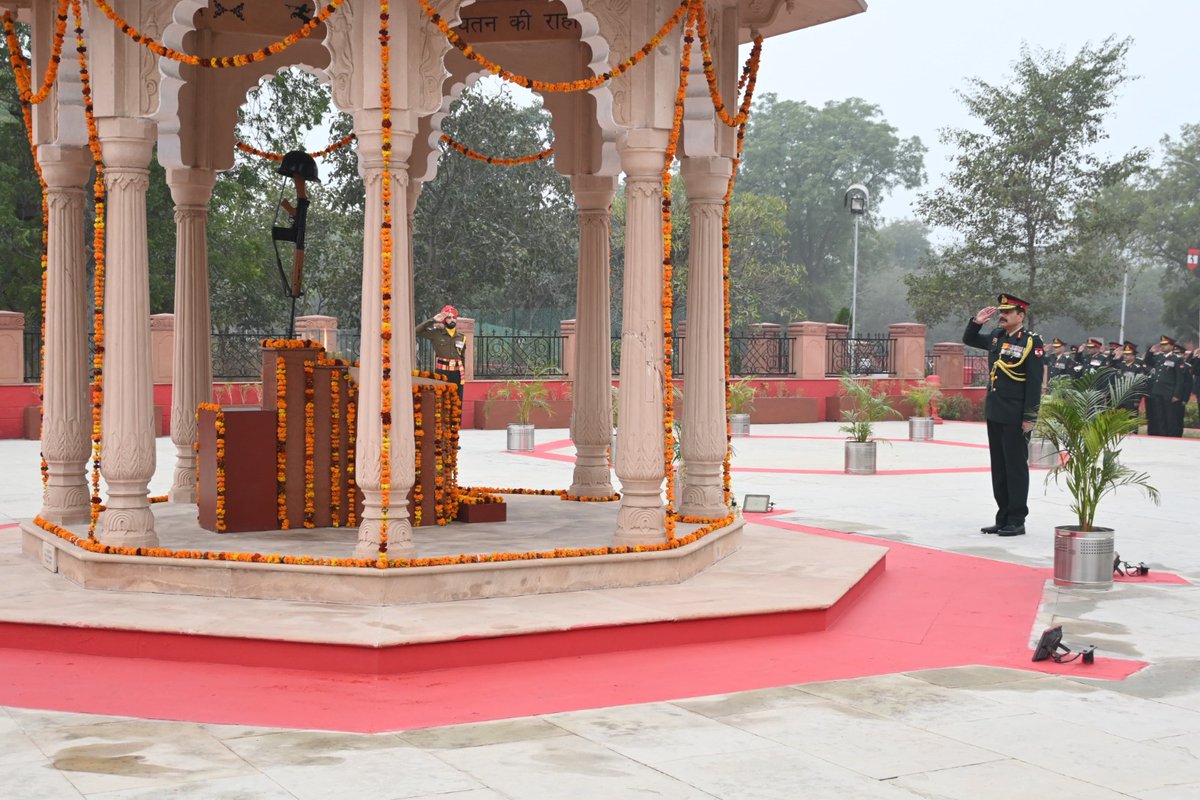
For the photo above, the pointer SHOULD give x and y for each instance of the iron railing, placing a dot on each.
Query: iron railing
(863, 355)
(975, 370)
(760, 355)
(518, 356)
(237, 356)
(33, 356)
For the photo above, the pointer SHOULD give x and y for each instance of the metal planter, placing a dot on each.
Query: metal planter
(520, 438)
(860, 458)
(920, 429)
(1042, 453)
(1083, 559)
(739, 424)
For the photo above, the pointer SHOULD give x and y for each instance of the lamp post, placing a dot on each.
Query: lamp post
(857, 199)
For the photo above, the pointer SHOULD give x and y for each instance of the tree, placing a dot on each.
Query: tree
(1025, 192)
(498, 239)
(807, 157)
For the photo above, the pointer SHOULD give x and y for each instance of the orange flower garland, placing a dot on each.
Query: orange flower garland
(418, 436)
(22, 70)
(583, 85)
(351, 451)
(98, 256)
(710, 75)
(310, 446)
(335, 447)
(385, 278)
(219, 427)
(240, 60)
(502, 162)
(254, 151)
(281, 442)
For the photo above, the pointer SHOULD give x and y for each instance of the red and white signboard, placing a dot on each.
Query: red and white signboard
(1193, 259)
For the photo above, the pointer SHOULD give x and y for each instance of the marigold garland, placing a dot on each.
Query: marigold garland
(23, 70)
(100, 196)
(221, 62)
(310, 445)
(351, 450)
(376, 563)
(281, 442)
(385, 277)
(496, 160)
(335, 447)
(583, 85)
(219, 428)
(710, 75)
(254, 151)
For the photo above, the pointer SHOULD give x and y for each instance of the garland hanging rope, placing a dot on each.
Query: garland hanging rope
(23, 70)
(338, 145)
(586, 84)
(221, 62)
(501, 162)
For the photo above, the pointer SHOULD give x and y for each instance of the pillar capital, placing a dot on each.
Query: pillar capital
(593, 192)
(707, 179)
(126, 142)
(191, 187)
(642, 153)
(65, 167)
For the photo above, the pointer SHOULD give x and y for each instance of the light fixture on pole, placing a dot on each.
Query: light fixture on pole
(858, 200)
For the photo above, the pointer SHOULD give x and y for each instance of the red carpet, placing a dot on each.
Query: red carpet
(928, 609)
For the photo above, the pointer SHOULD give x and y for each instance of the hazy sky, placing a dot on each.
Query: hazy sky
(910, 56)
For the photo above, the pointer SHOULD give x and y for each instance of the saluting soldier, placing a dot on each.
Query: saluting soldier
(1092, 360)
(1063, 363)
(1114, 355)
(1178, 410)
(1167, 379)
(1014, 394)
(1130, 367)
(449, 346)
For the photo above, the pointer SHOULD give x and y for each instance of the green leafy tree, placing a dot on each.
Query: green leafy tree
(1024, 192)
(807, 157)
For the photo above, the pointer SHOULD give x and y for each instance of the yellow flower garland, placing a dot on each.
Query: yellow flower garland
(239, 60)
(310, 446)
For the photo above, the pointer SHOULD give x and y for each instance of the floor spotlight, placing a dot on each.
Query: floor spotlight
(757, 503)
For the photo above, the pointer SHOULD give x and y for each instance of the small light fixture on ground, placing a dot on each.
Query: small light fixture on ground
(757, 503)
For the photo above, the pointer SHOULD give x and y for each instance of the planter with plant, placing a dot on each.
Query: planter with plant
(1086, 425)
(866, 409)
(528, 396)
(922, 396)
(741, 401)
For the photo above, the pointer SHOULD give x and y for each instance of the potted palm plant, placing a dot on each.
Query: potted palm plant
(528, 395)
(866, 409)
(921, 396)
(741, 401)
(1086, 423)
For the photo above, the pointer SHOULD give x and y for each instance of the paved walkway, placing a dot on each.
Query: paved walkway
(962, 732)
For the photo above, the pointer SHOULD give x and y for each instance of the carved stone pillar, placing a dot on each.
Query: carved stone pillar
(640, 468)
(414, 193)
(370, 424)
(592, 368)
(66, 409)
(128, 459)
(704, 442)
(191, 381)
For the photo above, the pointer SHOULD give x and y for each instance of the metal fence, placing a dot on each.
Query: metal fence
(33, 356)
(862, 355)
(519, 356)
(975, 368)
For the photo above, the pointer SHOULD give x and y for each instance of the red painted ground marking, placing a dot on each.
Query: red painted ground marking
(929, 609)
(7, 525)
(1154, 577)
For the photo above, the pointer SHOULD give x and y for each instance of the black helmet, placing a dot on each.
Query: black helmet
(299, 164)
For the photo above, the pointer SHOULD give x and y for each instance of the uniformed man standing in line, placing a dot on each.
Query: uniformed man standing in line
(449, 346)
(1167, 379)
(1179, 410)
(1014, 394)
(1063, 363)
(1130, 367)
(1093, 359)
(1114, 356)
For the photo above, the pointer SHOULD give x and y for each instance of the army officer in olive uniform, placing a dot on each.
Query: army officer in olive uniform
(1014, 394)
(449, 346)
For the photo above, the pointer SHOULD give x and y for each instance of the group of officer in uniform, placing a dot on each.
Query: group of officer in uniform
(1173, 372)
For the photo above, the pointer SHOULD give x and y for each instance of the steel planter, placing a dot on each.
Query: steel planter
(520, 437)
(1042, 453)
(1083, 559)
(739, 424)
(860, 458)
(920, 429)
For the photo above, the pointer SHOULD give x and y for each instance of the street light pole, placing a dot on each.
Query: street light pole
(854, 283)
(1124, 295)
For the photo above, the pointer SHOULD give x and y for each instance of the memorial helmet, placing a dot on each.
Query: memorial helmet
(299, 164)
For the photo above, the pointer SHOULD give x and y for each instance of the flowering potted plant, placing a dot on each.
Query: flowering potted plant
(867, 409)
(1086, 423)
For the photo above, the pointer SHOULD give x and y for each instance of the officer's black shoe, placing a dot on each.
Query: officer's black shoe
(991, 529)
(1011, 530)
